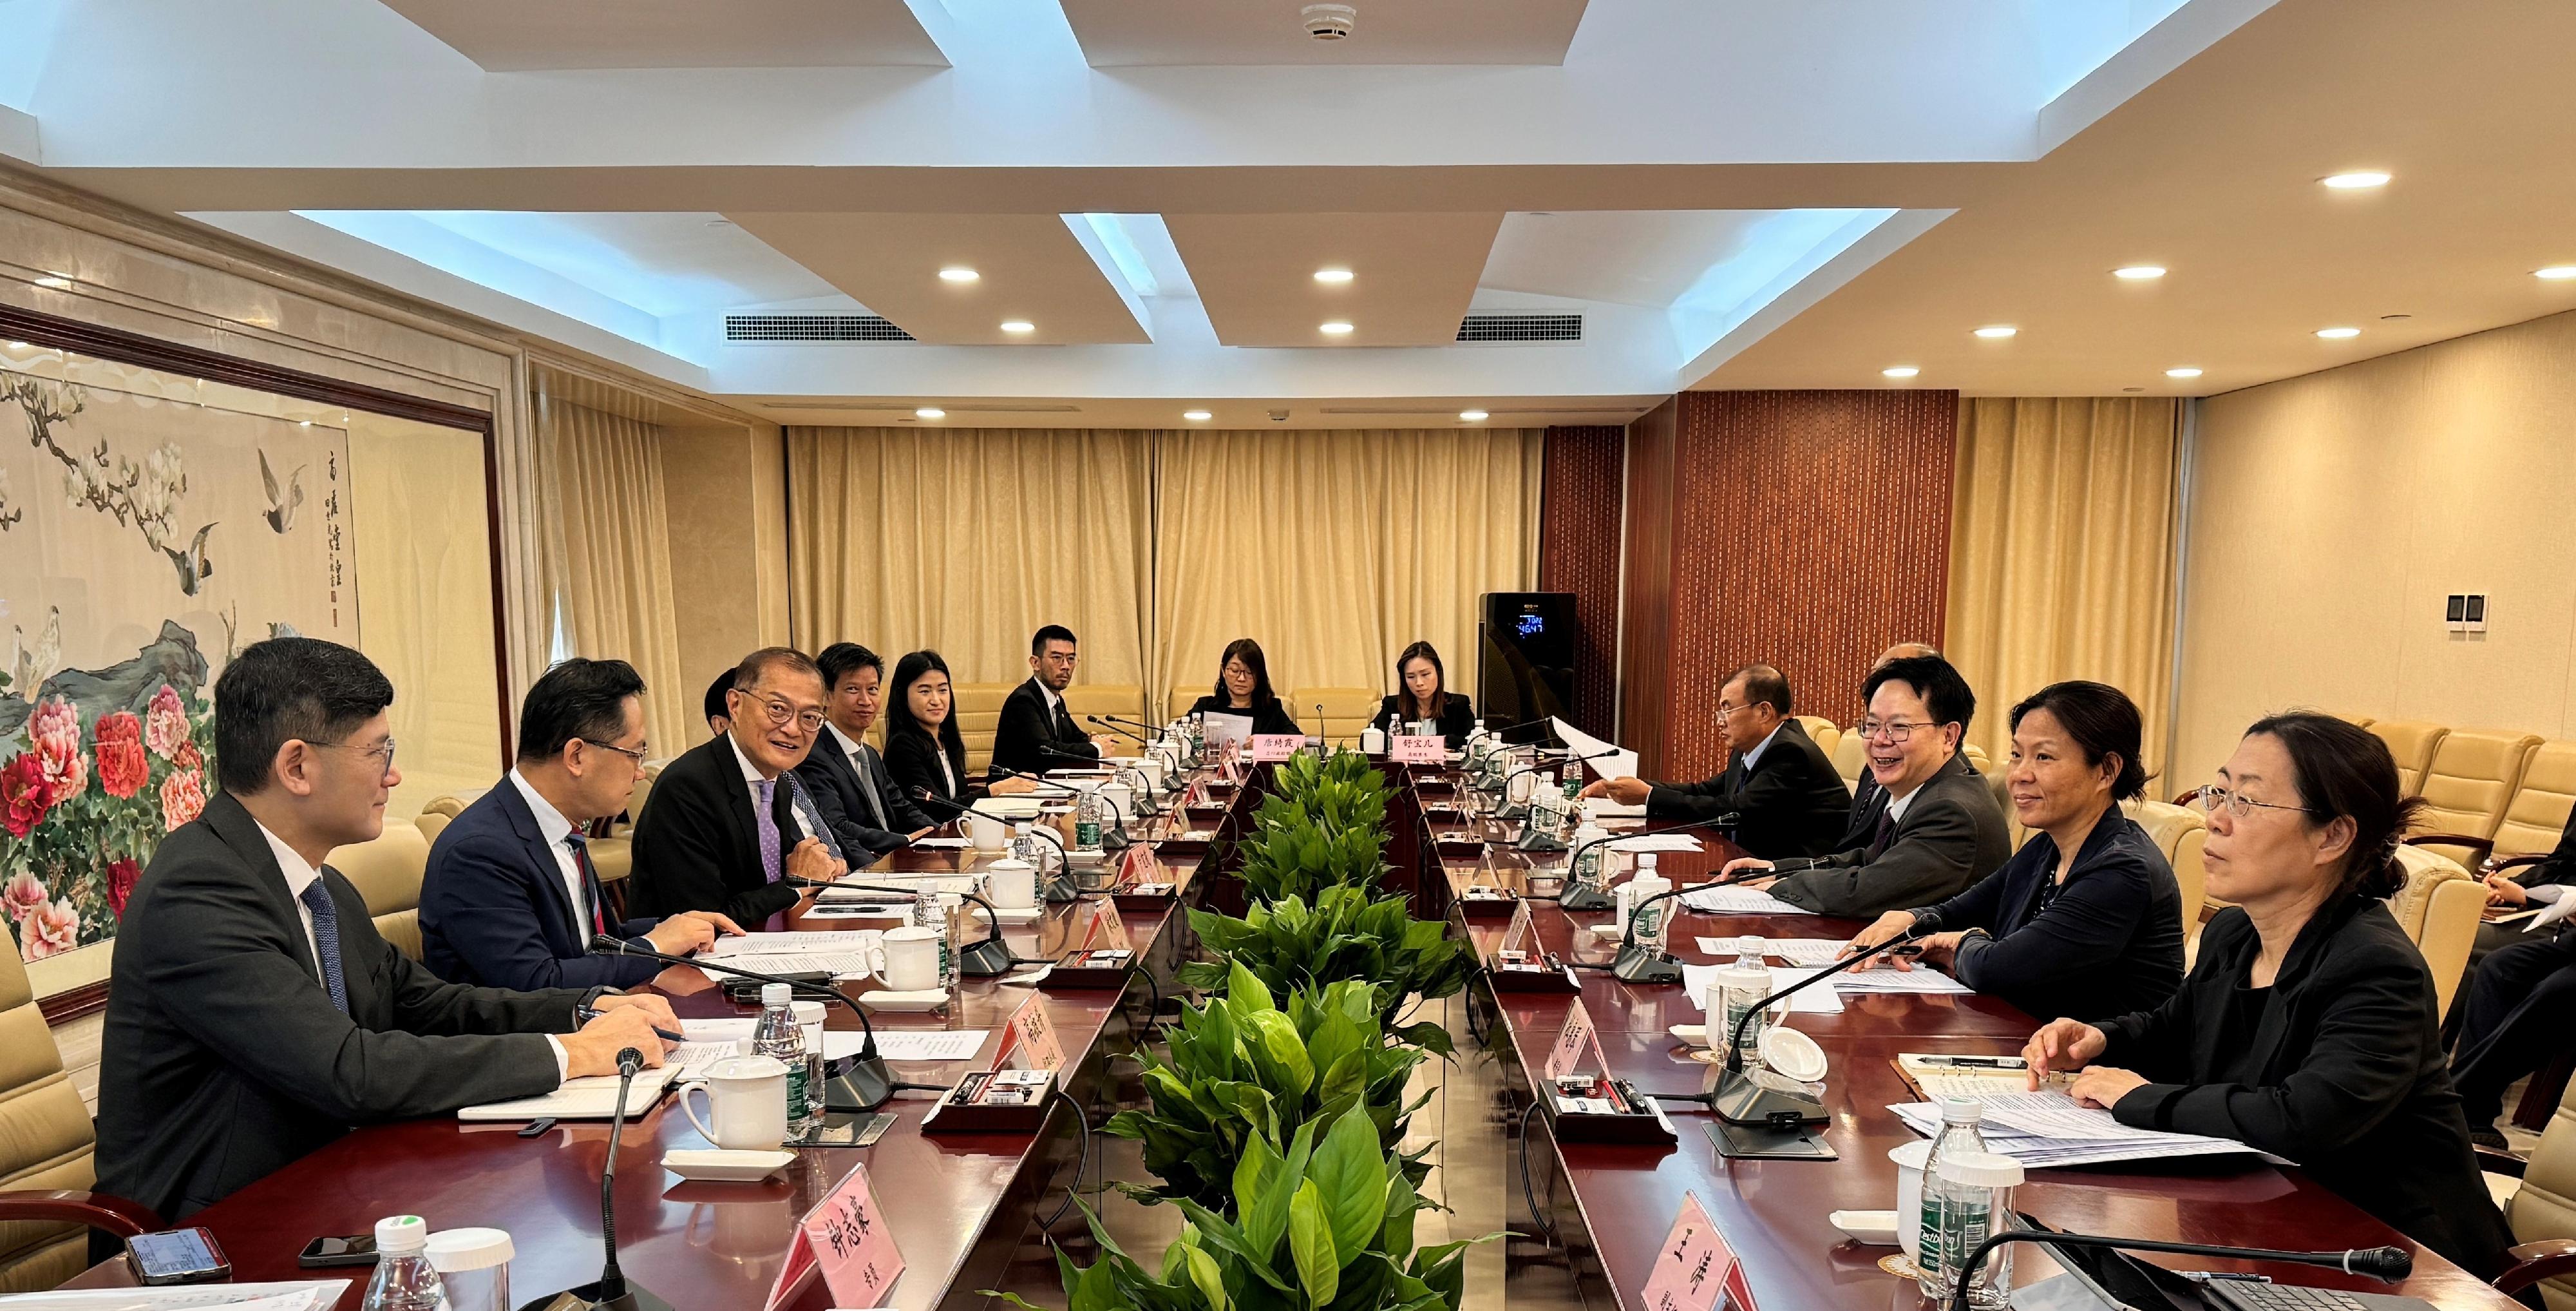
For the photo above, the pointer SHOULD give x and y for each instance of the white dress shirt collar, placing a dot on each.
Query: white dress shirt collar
(299, 875)
(849, 745)
(1759, 747)
(1052, 700)
(1896, 805)
(551, 824)
(750, 773)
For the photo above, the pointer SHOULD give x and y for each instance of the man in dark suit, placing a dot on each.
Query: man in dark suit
(511, 899)
(1940, 829)
(1036, 733)
(1776, 777)
(1869, 800)
(253, 1012)
(728, 822)
(845, 776)
(2511, 1017)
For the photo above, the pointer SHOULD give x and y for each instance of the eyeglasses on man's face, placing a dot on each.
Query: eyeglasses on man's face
(380, 753)
(636, 754)
(1890, 730)
(780, 713)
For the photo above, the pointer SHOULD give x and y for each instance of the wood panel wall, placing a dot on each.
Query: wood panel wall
(1578, 552)
(1808, 529)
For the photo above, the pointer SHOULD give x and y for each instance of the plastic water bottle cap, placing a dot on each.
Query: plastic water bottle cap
(1980, 1170)
(1962, 1110)
(401, 1235)
(453, 1251)
(775, 994)
(1645, 861)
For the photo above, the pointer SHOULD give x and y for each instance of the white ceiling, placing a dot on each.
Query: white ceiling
(1635, 257)
(1134, 32)
(1412, 275)
(519, 35)
(1030, 268)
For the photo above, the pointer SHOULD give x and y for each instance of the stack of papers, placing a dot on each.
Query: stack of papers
(2047, 1128)
(1888, 978)
(1738, 901)
(1617, 764)
(840, 954)
(892, 1044)
(1796, 951)
(312, 1295)
(1657, 842)
(1605, 808)
(593, 1097)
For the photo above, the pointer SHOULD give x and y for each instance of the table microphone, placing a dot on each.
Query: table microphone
(1533, 769)
(1586, 898)
(864, 1086)
(1141, 795)
(1638, 964)
(1058, 889)
(1111, 723)
(1117, 827)
(611, 1292)
(992, 956)
(2385, 1264)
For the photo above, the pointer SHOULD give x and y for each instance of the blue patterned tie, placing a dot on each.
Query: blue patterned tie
(326, 941)
(765, 828)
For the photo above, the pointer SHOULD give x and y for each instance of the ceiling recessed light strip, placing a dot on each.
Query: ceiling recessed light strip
(2182, 373)
(1900, 371)
(1472, 416)
(1197, 416)
(2139, 273)
(2554, 273)
(1332, 275)
(2338, 334)
(1336, 328)
(2364, 180)
(958, 273)
(930, 412)
(1018, 326)
(1997, 332)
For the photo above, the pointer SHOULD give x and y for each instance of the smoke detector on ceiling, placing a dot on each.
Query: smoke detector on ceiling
(1329, 22)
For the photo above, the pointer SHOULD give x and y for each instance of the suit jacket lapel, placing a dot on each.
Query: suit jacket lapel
(232, 822)
(523, 821)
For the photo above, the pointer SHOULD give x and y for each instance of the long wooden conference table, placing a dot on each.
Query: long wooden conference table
(1611, 1205)
(962, 1206)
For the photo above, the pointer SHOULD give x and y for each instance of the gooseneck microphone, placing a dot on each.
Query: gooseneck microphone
(2385, 1264)
(1583, 898)
(1111, 723)
(1653, 965)
(867, 1083)
(611, 1292)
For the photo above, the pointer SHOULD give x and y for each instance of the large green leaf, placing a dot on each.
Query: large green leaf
(1203, 1272)
(1310, 1242)
(1349, 1172)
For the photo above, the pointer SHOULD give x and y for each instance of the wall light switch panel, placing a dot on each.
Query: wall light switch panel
(2477, 612)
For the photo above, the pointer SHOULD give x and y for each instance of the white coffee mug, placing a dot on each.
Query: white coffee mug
(987, 832)
(1120, 798)
(911, 959)
(1014, 884)
(746, 1099)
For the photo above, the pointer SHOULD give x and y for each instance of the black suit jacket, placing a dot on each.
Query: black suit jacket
(1267, 717)
(1868, 802)
(1792, 801)
(1457, 716)
(843, 797)
(2343, 1075)
(494, 910)
(223, 1057)
(912, 761)
(696, 847)
(2108, 942)
(1026, 726)
(1951, 835)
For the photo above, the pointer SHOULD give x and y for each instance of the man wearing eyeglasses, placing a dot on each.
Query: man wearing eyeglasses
(1940, 830)
(510, 899)
(729, 828)
(1790, 799)
(254, 1014)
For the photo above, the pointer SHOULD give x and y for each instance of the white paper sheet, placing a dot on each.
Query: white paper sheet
(1224, 726)
(797, 943)
(1887, 978)
(892, 1043)
(942, 844)
(1657, 842)
(309, 1295)
(1600, 808)
(838, 964)
(1796, 951)
(2047, 1128)
(1619, 764)
(1738, 901)
(1819, 1000)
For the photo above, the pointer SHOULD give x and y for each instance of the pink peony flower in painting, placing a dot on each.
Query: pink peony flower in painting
(122, 768)
(167, 728)
(55, 730)
(183, 798)
(52, 930)
(22, 895)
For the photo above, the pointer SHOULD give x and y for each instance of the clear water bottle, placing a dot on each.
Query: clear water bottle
(779, 1038)
(1090, 819)
(1024, 845)
(952, 939)
(1750, 953)
(404, 1279)
(1648, 916)
(1976, 1192)
(1936, 1264)
(1588, 860)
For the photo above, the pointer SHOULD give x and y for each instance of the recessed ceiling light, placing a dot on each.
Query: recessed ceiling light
(1900, 371)
(1336, 328)
(1472, 416)
(958, 273)
(2133, 389)
(2361, 181)
(1996, 332)
(1197, 416)
(2556, 272)
(930, 412)
(17, 345)
(2182, 373)
(2338, 334)
(2140, 272)
(1332, 275)
(1018, 325)
(55, 281)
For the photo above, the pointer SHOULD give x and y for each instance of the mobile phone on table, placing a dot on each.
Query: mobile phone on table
(177, 1256)
(323, 1253)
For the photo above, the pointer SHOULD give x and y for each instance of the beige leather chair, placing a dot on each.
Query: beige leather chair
(1347, 710)
(2179, 832)
(2413, 742)
(612, 853)
(2538, 812)
(2471, 783)
(434, 817)
(2439, 907)
(978, 708)
(1822, 731)
(2542, 1212)
(387, 873)
(1125, 700)
(2358, 721)
(1849, 759)
(1976, 757)
(46, 1152)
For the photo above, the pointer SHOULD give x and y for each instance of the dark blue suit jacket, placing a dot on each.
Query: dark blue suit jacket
(493, 909)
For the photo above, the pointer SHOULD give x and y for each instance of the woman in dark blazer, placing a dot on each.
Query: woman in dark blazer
(2307, 1027)
(2086, 920)
(1426, 695)
(1243, 688)
(923, 751)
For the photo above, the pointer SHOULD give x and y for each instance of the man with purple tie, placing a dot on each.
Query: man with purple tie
(729, 827)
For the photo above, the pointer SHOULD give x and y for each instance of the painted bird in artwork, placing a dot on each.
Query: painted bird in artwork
(193, 566)
(35, 664)
(281, 506)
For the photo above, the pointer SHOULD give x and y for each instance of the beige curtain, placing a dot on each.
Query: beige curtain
(2064, 519)
(1335, 549)
(969, 540)
(601, 482)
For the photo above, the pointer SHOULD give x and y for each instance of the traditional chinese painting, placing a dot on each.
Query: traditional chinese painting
(143, 540)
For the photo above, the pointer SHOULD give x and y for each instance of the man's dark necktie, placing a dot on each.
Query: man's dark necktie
(580, 845)
(326, 941)
(1886, 830)
(865, 762)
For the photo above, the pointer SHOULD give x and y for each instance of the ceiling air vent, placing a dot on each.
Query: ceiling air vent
(1519, 326)
(802, 329)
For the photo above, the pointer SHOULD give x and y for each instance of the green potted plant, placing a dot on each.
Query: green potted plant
(1291, 944)
(1240, 1070)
